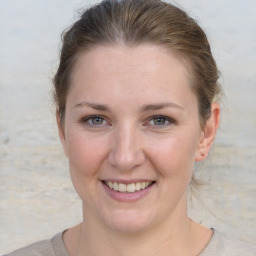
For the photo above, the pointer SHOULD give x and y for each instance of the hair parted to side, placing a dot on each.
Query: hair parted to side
(135, 22)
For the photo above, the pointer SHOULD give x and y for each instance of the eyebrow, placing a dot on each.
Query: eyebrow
(145, 108)
(100, 107)
(159, 106)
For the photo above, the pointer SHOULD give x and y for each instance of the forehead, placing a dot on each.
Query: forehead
(128, 71)
(144, 57)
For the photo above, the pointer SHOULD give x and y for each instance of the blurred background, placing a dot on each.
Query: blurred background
(37, 199)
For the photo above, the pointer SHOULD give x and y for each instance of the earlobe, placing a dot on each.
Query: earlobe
(208, 133)
(61, 130)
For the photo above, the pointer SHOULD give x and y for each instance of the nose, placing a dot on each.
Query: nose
(127, 150)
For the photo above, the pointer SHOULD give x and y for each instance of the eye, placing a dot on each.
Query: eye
(160, 121)
(94, 121)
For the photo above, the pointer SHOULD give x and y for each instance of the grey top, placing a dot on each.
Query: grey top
(219, 245)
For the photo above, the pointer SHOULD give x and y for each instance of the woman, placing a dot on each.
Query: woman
(136, 92)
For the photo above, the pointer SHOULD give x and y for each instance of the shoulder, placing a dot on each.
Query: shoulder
(49, 247)
(36, 249)
(222, 245)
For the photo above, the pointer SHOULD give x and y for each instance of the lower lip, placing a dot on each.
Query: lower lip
(126, 196)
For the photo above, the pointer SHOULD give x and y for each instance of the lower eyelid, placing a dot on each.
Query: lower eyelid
(162, 125)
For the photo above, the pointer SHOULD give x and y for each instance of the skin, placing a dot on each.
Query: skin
(127, 87)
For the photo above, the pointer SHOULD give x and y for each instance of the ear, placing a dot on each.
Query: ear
(208, 133)
(61, 130)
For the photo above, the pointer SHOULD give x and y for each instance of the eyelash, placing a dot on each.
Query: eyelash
(169, 121)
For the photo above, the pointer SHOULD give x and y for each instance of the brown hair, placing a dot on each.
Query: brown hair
(134, 22)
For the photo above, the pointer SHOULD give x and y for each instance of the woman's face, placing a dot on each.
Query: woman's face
(131, 134)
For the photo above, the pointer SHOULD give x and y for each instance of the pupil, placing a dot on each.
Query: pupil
(97, 120)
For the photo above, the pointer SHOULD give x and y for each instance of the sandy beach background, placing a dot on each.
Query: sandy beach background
(37, 199)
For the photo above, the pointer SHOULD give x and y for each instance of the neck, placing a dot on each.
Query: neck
(173, 235)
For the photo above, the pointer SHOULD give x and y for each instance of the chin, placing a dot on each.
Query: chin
(129, 221)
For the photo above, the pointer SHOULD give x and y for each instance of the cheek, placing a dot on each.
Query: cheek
(174, 156)
(85, 153)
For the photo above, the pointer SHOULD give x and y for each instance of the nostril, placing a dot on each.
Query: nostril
(126, 161)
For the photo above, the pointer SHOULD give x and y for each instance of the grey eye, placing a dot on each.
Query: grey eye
(159, 121)
(96, 120)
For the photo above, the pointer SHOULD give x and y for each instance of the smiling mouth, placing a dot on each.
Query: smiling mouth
(128, 188)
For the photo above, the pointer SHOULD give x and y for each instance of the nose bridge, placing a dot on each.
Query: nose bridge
(127, 151)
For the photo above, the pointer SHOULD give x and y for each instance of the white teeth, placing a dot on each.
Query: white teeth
(138, 186)
(115, 186)
(122, 187)
(132, 187)
(110, 184)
